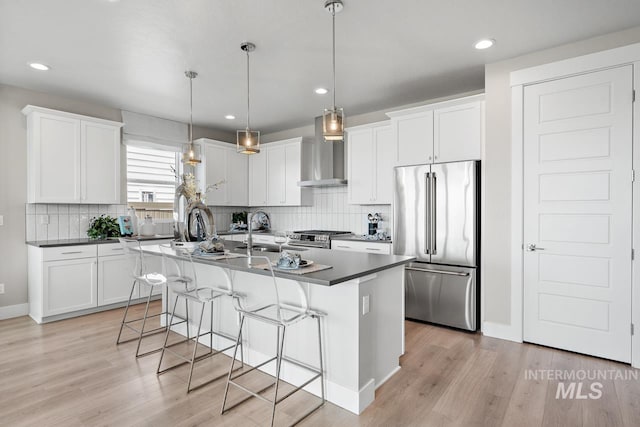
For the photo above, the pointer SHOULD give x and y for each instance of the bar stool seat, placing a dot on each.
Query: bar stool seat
(282, 315)
(202, 295)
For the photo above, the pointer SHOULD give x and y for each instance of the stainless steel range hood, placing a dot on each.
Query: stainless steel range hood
(324, 167)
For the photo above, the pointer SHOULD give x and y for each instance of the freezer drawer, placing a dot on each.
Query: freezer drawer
(441, 294)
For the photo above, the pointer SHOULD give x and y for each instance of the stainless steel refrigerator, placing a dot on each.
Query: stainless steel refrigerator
(435, 214)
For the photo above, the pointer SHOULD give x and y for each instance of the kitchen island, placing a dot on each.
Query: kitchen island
(363, 331)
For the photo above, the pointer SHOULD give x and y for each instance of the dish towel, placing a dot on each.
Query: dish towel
(300, 271)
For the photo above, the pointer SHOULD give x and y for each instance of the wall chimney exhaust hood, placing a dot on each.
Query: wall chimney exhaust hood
(324, 167)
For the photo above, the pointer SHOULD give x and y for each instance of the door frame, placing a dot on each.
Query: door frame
(627, 55)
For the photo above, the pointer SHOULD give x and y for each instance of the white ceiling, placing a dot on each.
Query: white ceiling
(132, 54)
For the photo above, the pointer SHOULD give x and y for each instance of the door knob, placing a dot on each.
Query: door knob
(531, 247)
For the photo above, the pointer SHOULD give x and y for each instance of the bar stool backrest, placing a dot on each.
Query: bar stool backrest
(218, 278)
(133, 250)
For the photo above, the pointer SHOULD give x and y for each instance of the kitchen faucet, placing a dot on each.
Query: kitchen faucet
(250, 232)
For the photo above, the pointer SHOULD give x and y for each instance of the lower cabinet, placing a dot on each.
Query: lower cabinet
(372, 247)
(64, 280)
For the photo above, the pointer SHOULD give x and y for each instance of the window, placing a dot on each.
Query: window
(150, 178)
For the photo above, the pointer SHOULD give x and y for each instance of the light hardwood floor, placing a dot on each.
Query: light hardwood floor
(71, 373)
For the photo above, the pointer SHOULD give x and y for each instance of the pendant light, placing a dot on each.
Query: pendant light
(190, 154)
(248, 141)
(333, 119)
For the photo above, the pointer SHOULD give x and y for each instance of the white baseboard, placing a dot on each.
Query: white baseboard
(501, 331)
(12, 311)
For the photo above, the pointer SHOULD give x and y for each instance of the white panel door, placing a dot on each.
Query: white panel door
(56, 163)
(385, 153)
(100, 163)
(577, 211)
(361, 175)
(276, 172)
(293, 170)
(215, 172)
(457, 133)
(237, 178)
(414, 134)
(69, 285)
(114, 279)
(258, 178)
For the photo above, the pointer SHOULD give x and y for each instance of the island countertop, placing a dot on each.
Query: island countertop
(345, 265)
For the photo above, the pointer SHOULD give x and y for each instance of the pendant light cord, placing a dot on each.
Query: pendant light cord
(191, 111)
(333, 18)
(247, 90)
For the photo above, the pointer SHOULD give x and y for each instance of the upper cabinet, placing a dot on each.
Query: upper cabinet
(225, 172)
(371, 158)
(444, 132)
(71, 158)
(274, 174)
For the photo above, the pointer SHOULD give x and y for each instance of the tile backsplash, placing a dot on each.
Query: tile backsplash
(330, 211)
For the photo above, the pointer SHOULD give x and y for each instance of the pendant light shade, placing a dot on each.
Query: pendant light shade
(333, 118)
(247, 140)
(191, 152)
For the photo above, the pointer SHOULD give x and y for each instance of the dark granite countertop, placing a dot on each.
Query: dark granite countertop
(346, 265)
(87, 241)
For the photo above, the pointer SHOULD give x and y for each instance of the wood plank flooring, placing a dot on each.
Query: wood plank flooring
(71, 373)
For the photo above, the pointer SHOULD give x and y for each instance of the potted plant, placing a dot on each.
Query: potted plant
(103, 227)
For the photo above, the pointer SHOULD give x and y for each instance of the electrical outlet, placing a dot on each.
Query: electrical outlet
(365, 304)
(1, 220)
(44, 219)
(1, 288)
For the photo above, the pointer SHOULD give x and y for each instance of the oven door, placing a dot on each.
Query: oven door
(306, 244)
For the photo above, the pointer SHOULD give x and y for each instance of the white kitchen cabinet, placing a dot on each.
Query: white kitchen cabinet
(258, 179)
(447, 131)
(221, 163)
(274, 174)
(457, 132)
(71, 158)
(371, 247)
(371, 158)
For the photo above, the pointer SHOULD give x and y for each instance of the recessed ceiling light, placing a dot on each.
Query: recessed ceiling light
(485, 44)
(40, 67)
(230, 117)
(321, 91)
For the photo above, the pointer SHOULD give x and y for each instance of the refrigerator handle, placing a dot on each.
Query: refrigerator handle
(434, 215)
(427, 225)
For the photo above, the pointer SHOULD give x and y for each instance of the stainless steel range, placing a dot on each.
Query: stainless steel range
(314, 238)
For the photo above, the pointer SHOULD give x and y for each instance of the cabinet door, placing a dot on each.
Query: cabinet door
(258, 179)
(69, 285)
(114, 280)
(385, 150)
(100, 163)
(361, 166)
(237, 178)
(276, 172)
(54, 159)
(292, 174)
(458, 133)
(216, 171)
(414, 134)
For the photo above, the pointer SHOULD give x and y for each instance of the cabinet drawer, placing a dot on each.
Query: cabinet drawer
(266, 239)
(367, 247)
(110, 249)
(69, 252)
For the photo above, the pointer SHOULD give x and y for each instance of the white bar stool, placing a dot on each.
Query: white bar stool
(203, 295)
(282, 315)
(152, 280)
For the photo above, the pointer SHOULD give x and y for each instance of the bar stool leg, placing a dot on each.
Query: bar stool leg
(126, 310)
(144, 321)
(195, 347)
(278, 364)
(233, 361)
(321, 362)
(241, 344)
(166, 336)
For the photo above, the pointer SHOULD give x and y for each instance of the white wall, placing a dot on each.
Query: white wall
(496, 248)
